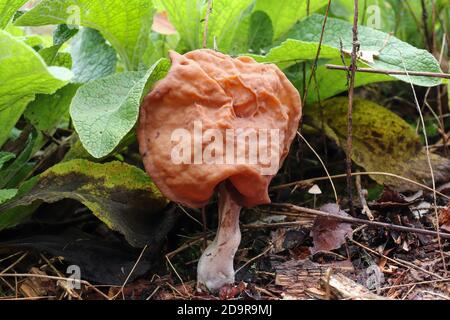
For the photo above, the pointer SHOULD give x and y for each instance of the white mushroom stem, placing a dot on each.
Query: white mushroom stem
(215, 268)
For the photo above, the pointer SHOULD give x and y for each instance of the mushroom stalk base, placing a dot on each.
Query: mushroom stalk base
(215, 268)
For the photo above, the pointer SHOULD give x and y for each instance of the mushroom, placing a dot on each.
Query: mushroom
(197, 131)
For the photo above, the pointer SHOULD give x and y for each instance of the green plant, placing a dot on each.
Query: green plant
(104, 58)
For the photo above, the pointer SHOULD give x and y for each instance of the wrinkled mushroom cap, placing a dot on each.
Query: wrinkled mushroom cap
(223, 93)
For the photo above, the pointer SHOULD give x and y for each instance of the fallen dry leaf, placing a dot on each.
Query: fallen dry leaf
(444, 218)
(329, 234)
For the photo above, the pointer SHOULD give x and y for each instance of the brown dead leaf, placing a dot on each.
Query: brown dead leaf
(392, 199)
(444, 218)
(329, 234)
(34, 287)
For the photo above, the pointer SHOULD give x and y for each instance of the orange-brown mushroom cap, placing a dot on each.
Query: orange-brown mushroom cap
(223, 93)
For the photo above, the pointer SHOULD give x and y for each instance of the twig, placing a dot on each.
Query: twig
(316, 59)
(14, 275)
(205, 228)
(129, 275)
(412, 284)
(403, 264)
(391, 72)
(358, 221)
(341, 176)
(425, 26)
(362, 199)
(205, 33)
(269, 247)
(351, 89)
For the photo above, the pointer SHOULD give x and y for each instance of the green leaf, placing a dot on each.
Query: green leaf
(294, 51)
(7, 194)
(382, 142)
(92, 57)
(12, 171)
(260, 31)
(285, 13)
(125, 24)
(7, 10)
(46, 111)
(23, 74)
(224, 22)
(388, 52)
(5, 157)
(105, 110)
(120, 195)
(63, 33)
(188, 17)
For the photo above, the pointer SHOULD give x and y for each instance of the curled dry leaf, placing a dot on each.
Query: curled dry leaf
(393, 199)
(329, 234)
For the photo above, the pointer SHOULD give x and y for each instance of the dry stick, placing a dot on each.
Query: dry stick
(362, 199)
(358, 221)
(439, 98)
(391, 72)
(129, 275)
(323, 165)
(205, 33)
(316, 59)
(405, 264)
(340, 176)
(31, 275)
(205, 228)
(427, 147)
(425, 26)
(351, 90)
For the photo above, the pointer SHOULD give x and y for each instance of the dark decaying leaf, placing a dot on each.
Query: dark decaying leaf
(444, 218)
(392, 199)
(120, 195)
(102, 261)
(382, 142)
(329, 234)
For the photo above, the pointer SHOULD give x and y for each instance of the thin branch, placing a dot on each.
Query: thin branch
(205, 32)
(354, 174)
(351, 89)
(391, 72)
(357, 221)
(316, 59)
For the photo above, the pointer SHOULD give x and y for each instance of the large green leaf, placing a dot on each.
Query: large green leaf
(105, 110)
(382, 142)
(92, 57)
(46, 111)
(23, 74)
(294, 51)
(188, 16)
(120, 195)
(7, 10)
(260, 32)
(285, 13)
(125, 24)
(388, 52)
